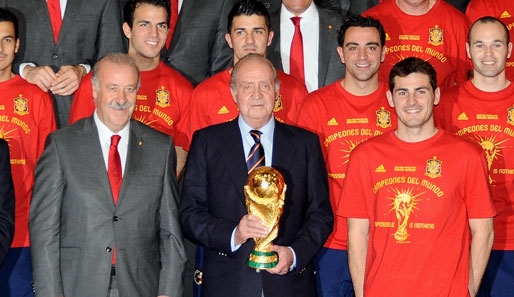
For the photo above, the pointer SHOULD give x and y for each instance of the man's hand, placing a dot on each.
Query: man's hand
(67, 80)
(42, 76)
(250, 226)
(285, 259)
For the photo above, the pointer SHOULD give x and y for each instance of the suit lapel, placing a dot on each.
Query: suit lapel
(41, 12)
(135, 152)
(72, 9)
(284, 151)
(95, 161)
(232, 153)
(273, 51)
(326, 30)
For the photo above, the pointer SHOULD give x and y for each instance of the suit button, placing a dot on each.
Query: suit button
(267, 5)
(115, 218)
(168, 59)
(55, 56)
(108, 249)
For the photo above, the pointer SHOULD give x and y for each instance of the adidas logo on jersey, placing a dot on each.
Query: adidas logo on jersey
(380, 168)
(223, 110)
(332, 122)
(462, 117)
(505, 15)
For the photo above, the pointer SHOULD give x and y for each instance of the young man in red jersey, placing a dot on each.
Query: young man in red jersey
(344, 114)
(26, 118)
(412, 196)
(482, 111)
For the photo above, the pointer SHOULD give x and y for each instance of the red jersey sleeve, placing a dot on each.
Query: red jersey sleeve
(83, 105)
(184, 90)
(356, 188)
(477, 9)
(478, 196)
(309, 117)
(46, 120)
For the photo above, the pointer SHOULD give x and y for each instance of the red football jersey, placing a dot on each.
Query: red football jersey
(438, 37)
(26, 118)
(418, 198)
(342, 121)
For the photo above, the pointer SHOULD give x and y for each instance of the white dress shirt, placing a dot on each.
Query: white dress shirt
(104, 135)
(309, 25)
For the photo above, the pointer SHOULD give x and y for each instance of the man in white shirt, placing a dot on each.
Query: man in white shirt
(321, 63)
(103, 217)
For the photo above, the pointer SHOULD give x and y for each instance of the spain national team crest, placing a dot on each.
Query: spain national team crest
(383, 118)
(510, 115)
(433, 169)
(163, 97)
(21, 105)
(436, 36)
(278, 104)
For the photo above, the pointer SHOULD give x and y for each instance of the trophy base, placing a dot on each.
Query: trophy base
(262, 260)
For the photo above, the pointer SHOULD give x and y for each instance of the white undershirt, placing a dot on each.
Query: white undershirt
(104, 135)
(309, 25)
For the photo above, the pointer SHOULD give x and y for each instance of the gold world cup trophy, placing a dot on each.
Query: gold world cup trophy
(265, 191)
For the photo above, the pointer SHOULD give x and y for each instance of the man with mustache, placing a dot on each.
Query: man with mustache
(163, 99)
(103, 217)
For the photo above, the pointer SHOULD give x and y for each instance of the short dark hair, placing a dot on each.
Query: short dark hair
(363, 22)
(247, 8)
(412, 65)
(132, 5)
(489, 19)
(7, 16)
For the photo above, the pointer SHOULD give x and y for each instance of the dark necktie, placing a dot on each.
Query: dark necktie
(256, 155)
(296, 68)
(54, 10)
(114, 168)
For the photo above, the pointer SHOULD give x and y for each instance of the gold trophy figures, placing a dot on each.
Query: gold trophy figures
(265, 191)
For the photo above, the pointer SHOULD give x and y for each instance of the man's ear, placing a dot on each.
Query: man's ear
(389, 96)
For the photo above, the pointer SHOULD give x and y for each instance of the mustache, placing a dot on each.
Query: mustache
(116, 105)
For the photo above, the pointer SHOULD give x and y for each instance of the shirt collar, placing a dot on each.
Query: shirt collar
(267, 130)
(105, 133)
(309, 14)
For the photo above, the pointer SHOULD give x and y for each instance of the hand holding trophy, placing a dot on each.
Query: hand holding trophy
(265, 192)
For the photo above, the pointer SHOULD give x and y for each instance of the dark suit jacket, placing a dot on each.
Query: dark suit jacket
(74, 223)
(330, 68)
(213, 203)
(198, 48)
(90, 30)
(6, 201)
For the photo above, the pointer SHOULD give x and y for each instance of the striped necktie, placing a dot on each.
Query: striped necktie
(256, 155)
